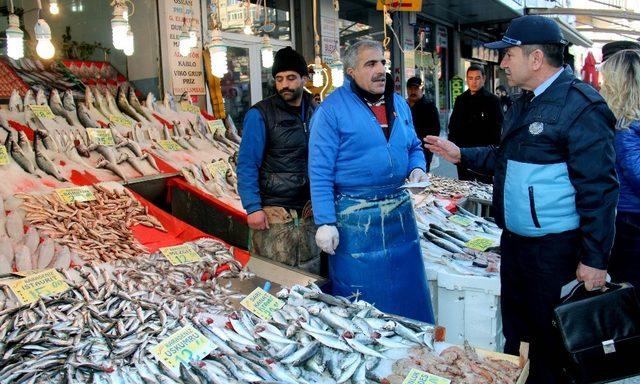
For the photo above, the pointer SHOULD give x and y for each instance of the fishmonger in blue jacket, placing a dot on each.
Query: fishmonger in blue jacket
(362, 149)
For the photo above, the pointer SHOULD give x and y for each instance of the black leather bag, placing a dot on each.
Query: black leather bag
(600, 333)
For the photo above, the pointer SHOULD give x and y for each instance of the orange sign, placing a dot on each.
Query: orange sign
(400, 5)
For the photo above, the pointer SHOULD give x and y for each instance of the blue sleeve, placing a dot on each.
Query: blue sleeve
(323, 152)
(479, 159)
(628, 157)
(250, 160)
(416, 153)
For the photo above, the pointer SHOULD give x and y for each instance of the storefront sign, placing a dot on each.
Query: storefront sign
(419, 377)
(461, 220)
(262, 304)
(457, 87)
(32, 287)
(480, 243)
(101, 136)
(121, 120)
(188, 107)
(42, 111)
(216, 126)
(182, 347)
(169, 145)
(400, 5)
(442, 37)
(4, 156)
(185, 74)
(79, 194)
(180, 254)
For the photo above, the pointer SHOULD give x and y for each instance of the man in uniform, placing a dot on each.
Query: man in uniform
(272, 168)
(555, 188)
(426, 119)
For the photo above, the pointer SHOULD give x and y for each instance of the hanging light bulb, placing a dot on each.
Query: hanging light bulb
(53, 7)
(218, 54)
(184, 42)
(337, 74)
(44, 48)
(15, 44)
(193, 35)
(267, 52)
(318, 79)
(128, 46)
(119, 25)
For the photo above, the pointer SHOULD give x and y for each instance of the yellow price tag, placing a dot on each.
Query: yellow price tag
(218, 168)
(169, 145)
(216, 126)
(121, 120)
(180, 254)
(4, 156)
(101, 136)
(416, 376)
(32, 287)
(79, 194)
(480, 243)
(182, 347)
(42, 111)
(461, 220)
(261, 303)
(188, 107)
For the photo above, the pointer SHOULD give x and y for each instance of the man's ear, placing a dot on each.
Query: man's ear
(350, 72)
(538, 59)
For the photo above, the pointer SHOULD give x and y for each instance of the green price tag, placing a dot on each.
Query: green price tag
(218, 168)
(169, 145)
(4, 156)
(180, 254)
(419, 377)
(121, 120)
(32, 287)
(182, 347)
(461, 220)
(42, 111)
(101, 136)
(188, 107)
(480, 243)
(216, 126)
(261, 303)
(79, 194)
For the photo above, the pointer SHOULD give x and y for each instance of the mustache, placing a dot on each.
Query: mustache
(382, 77)
(286, 90)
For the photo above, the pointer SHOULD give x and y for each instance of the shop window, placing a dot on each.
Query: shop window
(233, 14)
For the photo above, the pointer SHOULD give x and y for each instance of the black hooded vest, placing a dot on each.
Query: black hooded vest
(284, 181)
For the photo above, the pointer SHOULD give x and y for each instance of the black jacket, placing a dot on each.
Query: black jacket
(426, 119)
(283, 179)
(554, 170)
(476, 119)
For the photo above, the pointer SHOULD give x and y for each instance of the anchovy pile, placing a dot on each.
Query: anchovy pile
(450, 188)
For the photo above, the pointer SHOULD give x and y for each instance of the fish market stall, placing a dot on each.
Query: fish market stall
(473, 195)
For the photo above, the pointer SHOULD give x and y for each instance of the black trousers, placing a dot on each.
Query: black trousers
(624, 264)
(532, 273)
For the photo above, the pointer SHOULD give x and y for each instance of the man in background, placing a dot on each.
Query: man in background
(426, 119)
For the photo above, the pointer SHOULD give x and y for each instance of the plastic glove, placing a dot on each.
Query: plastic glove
(418, 176)
(327, 238)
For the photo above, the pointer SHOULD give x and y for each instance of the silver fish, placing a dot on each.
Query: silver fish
(125, 107)
(68, 102)
(112, 166)
(15, 102)
(150, 102)
(135, 103)
(19, 156)
(41, 98)
(85, 118)
(29, 98)
(44, 162)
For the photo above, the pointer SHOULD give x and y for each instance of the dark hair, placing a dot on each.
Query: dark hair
(501, 88)
(476, 67)
(554, 53)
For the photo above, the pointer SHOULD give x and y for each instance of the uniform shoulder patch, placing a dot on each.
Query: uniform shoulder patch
(588, 91)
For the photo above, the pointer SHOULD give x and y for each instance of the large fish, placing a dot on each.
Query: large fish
(111, 103)
(150, 102)
(231, 132)
(135, 103)
(88, 98)
(85, 118)
(25, 145)
(113, 167)
(125, 107)
(41, 98)
(68, 102)
(15, 102)
(100, 103)
(44, 162)
(19, 156)
(29, 98)
(55, 103)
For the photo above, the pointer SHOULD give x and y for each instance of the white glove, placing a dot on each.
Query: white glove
(327, 238)
(418, 176)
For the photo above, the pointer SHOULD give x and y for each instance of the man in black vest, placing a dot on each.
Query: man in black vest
(272, 168)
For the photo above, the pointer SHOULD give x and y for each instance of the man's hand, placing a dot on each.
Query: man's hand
(444, 148)
(593, 278)
(327, 238)
(258, 220)
(418, 176)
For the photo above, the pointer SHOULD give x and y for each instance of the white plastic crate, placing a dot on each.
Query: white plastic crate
(469, 308)
(431, 271)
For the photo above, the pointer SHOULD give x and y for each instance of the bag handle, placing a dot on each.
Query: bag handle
(580, 285)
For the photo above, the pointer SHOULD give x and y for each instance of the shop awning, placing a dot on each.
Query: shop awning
(572, 34)
(473, 12)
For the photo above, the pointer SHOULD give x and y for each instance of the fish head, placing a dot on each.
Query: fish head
(41, 99)
(54, 97)
(88, 97)
(68, 102)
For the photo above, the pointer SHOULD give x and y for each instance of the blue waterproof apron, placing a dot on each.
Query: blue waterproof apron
(379, 254)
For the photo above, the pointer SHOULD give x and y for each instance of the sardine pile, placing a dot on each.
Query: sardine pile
(98, 230)
(101, 329)
(458, 365)
(449, 188)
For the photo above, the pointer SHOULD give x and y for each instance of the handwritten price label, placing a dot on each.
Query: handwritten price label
(121, 120)
(261, 303)
(218, 169)
(461, 220)
(480, 243)
(101, 136)
(42, 111)
(180, 254)
(188, 107)
(182, 347)
(416, 376)
(216, 126)
(4, 156)
(169, 145)
(45, 283)
(79, 194)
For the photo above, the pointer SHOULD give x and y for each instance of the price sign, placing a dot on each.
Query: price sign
(480, 243)
(121, 120)
(216, 126)
(4, 156)
(101, 136)
(182, 347)
(169, 145)
(32, 287)
(79, 194)
(261, 303)
(180, 254)
(188, 107)
(461, 220)
(42, 111)
(416, 376)
(218, 168)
